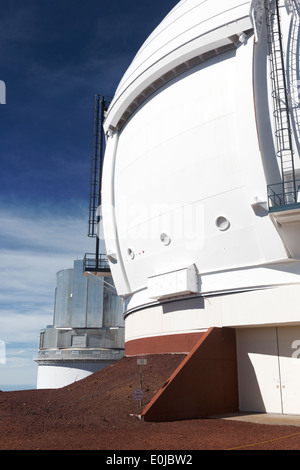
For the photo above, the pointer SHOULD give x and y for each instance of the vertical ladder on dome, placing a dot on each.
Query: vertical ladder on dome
(283, 129)
(97, 262)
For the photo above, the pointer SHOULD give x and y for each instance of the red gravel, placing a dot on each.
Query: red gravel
(99, 412)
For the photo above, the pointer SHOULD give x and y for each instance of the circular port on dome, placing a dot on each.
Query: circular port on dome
(130, 253)
(165, 239)
(222, 223)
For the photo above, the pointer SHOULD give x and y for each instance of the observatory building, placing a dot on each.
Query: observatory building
(200, 196)
(88, 329)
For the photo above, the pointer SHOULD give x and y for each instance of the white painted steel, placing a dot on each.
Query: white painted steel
(269, 369)
(187, 157)
(61, 375)
(190, 152)
(193, 27)
(259, 375)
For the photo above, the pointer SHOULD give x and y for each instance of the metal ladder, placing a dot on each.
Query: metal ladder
(101, 105)
(283, 128)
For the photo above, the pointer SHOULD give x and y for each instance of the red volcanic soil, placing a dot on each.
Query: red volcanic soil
(100, 413)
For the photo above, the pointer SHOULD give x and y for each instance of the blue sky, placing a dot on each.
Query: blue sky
(54, 56)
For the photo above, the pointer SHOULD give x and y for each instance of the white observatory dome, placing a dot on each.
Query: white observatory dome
(191, 28)
(200, 186)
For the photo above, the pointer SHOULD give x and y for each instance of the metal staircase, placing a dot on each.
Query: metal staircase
(286, 191)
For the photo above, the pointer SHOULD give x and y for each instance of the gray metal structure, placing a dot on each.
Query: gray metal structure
(88, 327)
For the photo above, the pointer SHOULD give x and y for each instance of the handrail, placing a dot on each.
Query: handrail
(280, 196)
(94, 263)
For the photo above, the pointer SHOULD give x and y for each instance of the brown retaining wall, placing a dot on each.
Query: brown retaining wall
(204, 384)
(166, 344)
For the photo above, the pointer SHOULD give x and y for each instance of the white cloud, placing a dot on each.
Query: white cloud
(33, 248)
(19, 369)
(23, 328)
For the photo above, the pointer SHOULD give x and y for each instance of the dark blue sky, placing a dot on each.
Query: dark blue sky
(54, 56)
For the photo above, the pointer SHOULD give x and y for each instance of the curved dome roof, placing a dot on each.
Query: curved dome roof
(192, 29)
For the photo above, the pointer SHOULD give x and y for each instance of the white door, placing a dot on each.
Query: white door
(258, 371)
(269, 369)
(289, 367)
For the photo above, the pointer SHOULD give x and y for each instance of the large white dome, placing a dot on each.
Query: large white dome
(201, 226)
(193, 28)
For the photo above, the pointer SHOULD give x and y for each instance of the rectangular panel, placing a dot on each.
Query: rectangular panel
(289, 360)
(259, 380)
(78, 341)
(94, 316)
(179, 282)
(79, 296)
(63, 298)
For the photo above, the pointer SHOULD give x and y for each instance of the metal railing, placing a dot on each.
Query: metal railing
(94, 263)
(281, 195)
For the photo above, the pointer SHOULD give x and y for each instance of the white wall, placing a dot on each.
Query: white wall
(57, 376)
(269, 369)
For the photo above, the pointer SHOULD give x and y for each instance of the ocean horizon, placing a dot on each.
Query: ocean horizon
(14, 387)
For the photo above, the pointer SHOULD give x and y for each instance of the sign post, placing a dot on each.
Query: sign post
(138, 393)
(138, 396)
